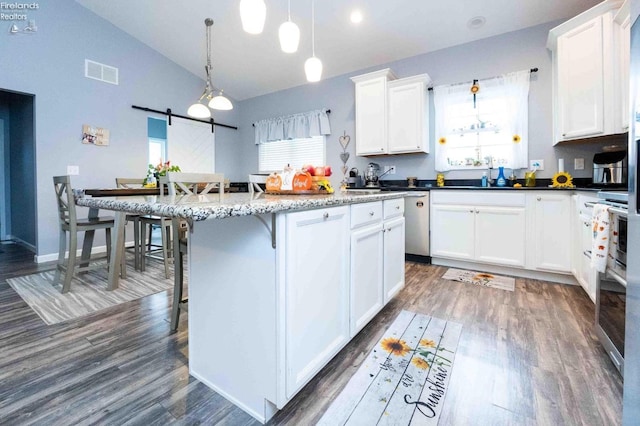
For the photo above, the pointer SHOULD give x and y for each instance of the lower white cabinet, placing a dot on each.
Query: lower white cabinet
(582, 234)
(551, 227)
(393, 257)
(492, 230)
(316, 294)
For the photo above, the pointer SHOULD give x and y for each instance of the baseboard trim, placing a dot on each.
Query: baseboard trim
(505, 270)
(22, 242)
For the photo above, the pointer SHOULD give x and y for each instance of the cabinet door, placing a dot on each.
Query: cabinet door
(371, 116)
(500, 235)
(393, 257)
(366, 275)
(623, 53)
(316, 291)
(552, 231)
(452, 231)
(408, 119)
(587, 274)
(581, 81)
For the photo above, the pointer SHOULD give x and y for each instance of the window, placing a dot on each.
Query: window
(275, 155)
(490, 128)
(157, 150)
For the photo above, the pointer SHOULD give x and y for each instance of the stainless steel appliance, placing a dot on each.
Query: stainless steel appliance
(610, 168)
(631, 393)
(611, 288)
(372, 177)
(416, 214)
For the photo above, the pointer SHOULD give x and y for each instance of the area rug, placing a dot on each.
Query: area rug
(88, 292)
(404, 379)
(480, 278)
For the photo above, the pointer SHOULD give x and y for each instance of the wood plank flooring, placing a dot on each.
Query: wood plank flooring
(527, 357)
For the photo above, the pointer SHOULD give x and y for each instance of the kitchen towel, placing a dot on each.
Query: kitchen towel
(603, 241)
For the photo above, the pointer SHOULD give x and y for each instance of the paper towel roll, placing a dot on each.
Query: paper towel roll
(560, 164)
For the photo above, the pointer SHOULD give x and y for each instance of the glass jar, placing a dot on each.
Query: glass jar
(440, 179)
(530, 179)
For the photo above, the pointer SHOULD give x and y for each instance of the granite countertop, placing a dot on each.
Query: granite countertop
(214, 206)
(480, 188)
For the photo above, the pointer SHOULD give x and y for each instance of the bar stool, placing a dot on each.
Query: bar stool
(69, 223)
(128, 183)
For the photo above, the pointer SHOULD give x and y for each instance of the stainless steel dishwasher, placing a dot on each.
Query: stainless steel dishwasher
(416, 214)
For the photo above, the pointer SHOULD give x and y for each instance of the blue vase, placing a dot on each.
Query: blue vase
(501, 180)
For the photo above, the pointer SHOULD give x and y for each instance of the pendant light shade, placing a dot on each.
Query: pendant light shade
(253, 14)
(198, 109)
(313, 65)
(289, 34)
(313, 69)
(220, 102)
(289, 37)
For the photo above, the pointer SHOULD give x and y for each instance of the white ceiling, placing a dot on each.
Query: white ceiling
(247, 65)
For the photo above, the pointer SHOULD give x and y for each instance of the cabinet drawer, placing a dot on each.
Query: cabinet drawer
(393, 208)
(478, 197)
(365, 214)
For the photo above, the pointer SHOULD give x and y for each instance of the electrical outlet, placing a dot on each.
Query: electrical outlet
(73, 170)
(536, 164)
(578, 164)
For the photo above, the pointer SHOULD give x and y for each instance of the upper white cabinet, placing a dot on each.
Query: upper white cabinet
(622, 28)
(408, 124)
(586, 74)
(371, 112)
(392, 116)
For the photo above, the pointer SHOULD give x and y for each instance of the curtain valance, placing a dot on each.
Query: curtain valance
(296, 126)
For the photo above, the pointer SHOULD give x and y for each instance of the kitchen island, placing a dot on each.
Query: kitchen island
(277, 284)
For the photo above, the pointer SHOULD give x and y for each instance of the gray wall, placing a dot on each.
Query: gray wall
(5, 189)
(50, 65)
(486, 58)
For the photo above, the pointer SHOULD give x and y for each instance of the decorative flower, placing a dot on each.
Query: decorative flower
(442, 141)
(475, 88)
(160, 169)
(395, 346)
(428, 343)
(421, 363)
(516, 139)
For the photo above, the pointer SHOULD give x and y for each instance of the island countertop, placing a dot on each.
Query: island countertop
(214, 206)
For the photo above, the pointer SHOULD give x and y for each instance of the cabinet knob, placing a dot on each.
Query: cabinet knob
(326, 215)
(564, 134)
(539, 198)
(371, 213)
(397, 207)
(477, 211)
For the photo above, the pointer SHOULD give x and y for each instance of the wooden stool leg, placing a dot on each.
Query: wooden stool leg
(71, 263)
(62, 248)
(136, 243)
(178, 277)
(165, 247)
(143, 245)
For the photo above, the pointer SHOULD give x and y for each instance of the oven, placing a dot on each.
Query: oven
(611, 288)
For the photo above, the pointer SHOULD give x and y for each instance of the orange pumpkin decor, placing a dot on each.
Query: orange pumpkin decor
(302, 181)
(274, 182)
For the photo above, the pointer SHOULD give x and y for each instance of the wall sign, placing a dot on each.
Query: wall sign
(95, 135)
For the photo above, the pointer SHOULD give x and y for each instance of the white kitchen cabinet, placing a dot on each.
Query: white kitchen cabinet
(622, 27)
(582, 270)
(551, 230)
(491, 230)
(371, 112)
(393, 257)
(585, 87)
(367, 264)
(316, 294)
(408, 113)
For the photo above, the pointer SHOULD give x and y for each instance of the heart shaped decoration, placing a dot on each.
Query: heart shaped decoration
(344, 156)
(344, 141)
(344, 170)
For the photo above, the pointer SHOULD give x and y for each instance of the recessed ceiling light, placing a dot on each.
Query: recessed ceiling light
(476, 22)
(356, 16)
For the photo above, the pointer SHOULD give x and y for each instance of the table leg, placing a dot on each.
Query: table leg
(117, 243)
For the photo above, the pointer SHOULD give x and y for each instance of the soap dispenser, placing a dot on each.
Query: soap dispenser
(501, 180)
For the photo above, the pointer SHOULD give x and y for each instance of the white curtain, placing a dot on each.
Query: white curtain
(516, 85)
(296, 126)
(512, 90)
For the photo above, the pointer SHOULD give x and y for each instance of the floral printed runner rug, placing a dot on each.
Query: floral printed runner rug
(404, 379)
(480, 278)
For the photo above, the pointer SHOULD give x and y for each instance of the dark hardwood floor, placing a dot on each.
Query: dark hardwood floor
(527, 357)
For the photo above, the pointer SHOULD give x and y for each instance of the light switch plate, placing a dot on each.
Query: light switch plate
(578, 164)
(73, 170)
(536, 164)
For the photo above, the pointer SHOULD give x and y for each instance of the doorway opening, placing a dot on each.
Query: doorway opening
(18, 175)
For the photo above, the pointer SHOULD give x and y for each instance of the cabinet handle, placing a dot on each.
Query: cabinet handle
(325, 215)
(539, 198)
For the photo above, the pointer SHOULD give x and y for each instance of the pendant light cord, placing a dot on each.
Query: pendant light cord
(209, 22)
(289, 9)
(313, 29)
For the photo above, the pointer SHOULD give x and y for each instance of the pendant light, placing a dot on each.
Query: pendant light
(198, 109)
(313, 65)
(253, 14)
(289, 34)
